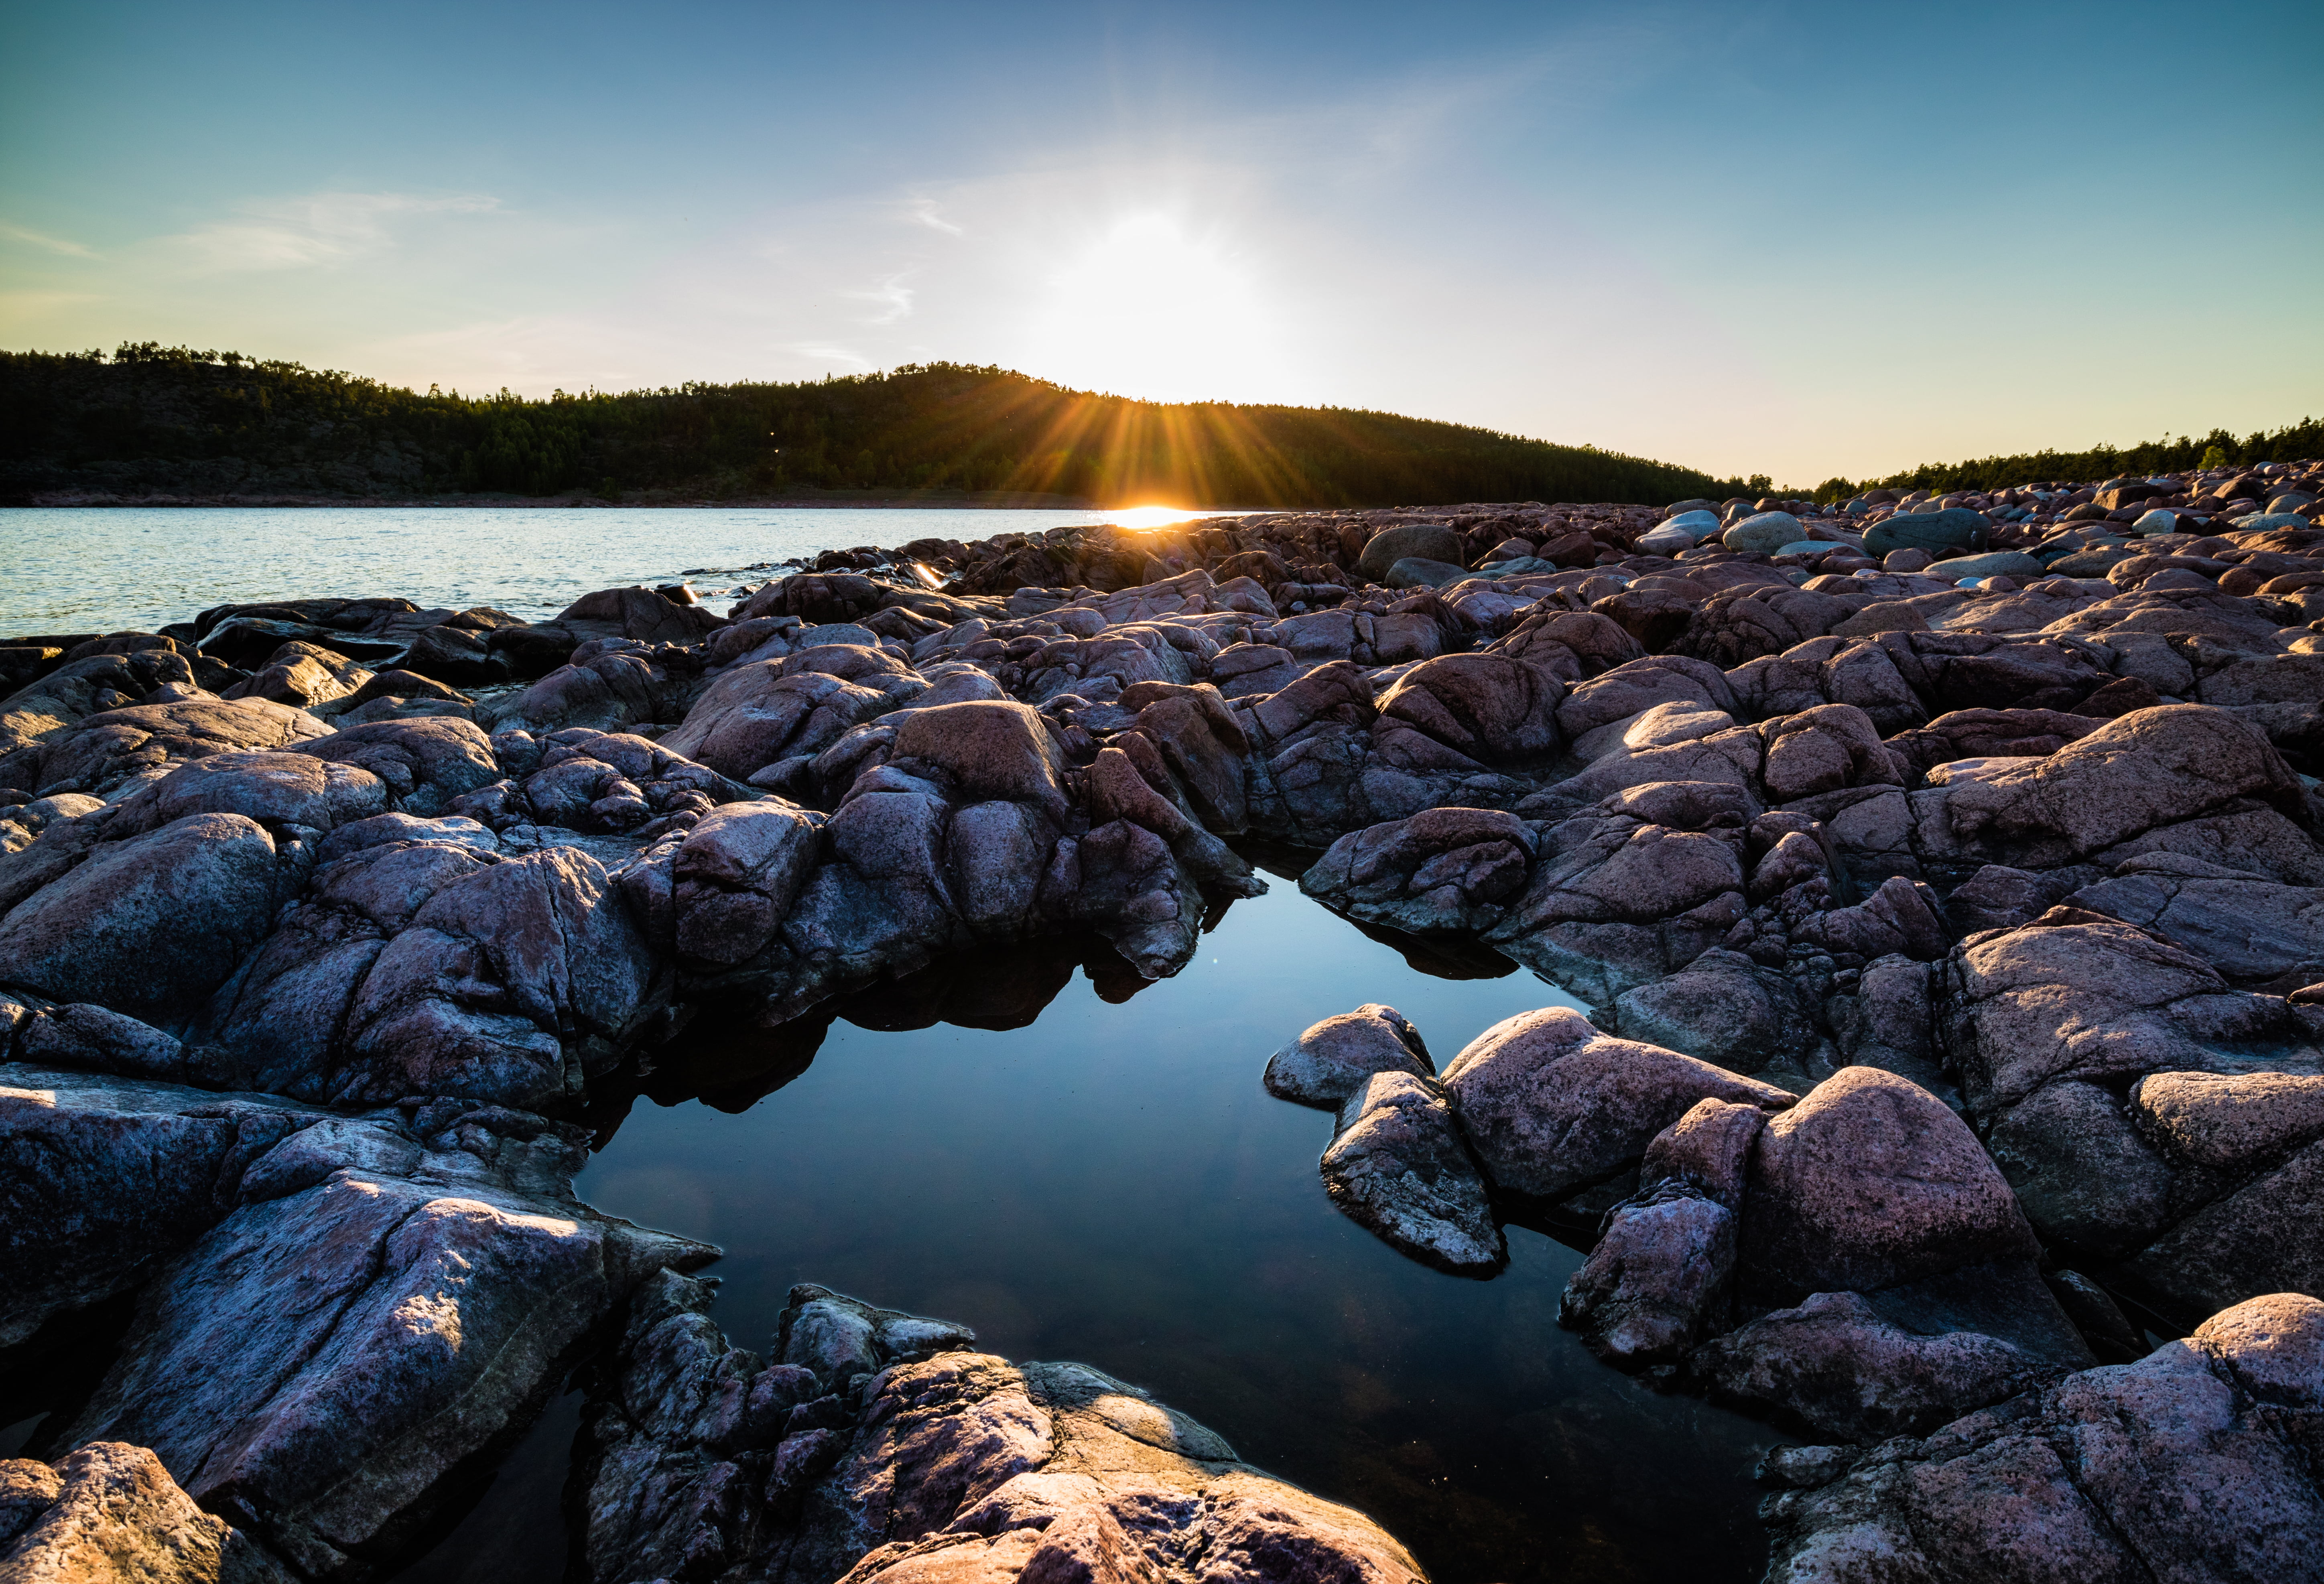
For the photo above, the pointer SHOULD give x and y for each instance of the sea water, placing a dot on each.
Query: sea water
(111, 569)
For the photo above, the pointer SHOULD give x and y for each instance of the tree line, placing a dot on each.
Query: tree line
(151, 419)
(2298, 442)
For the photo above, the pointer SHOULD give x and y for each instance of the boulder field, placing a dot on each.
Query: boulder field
(1940, 877)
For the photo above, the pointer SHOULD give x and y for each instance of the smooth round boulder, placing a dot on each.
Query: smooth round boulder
(2275, 1344)
(1421, 572)
(1697, 525)
(1956, 528)
(1430, 541)
(1550, 1105)
(990, 748)
(1992, 564)
(1338, 1057)
(1869, 1181)
(2162, 519)
(1764, 532)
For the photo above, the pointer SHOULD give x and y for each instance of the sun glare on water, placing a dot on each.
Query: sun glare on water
(1151, 516)
(1152, 311)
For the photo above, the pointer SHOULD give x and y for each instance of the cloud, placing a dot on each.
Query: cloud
(894, 298)
(322, 228)
(41, 239)
(832, 355)
(924, 211)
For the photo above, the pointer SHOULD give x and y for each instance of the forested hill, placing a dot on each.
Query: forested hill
(152, 420)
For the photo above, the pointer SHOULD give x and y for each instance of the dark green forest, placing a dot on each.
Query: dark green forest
(149, 420)
(2297, 442)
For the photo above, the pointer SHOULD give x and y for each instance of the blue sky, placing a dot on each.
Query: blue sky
(1785, 238)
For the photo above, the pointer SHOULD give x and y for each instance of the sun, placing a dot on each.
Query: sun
(1153, 311)
(1150, 516)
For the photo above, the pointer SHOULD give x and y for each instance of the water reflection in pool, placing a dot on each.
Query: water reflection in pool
(1110, 1183)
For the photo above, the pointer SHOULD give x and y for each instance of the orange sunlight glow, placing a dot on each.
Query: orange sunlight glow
(1152, 516)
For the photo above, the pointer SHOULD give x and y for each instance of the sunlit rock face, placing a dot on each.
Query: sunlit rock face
(881, 1445)
(1949, 944)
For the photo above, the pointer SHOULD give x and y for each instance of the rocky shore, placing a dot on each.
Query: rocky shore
(1941, 876)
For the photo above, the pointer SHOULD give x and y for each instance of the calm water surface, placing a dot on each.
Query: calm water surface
(1111, 1185)
(113, 568)
(1078, 1171)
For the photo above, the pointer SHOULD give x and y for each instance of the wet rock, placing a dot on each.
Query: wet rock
(1399, 1168)
(1550, 1105)
(949, 1463)
(110, 1511)
(1334, 1059)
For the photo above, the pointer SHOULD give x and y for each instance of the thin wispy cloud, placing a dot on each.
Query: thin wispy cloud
(833, 353)
(322, 228)
(924, 210)
(41, 239)
(893, 298)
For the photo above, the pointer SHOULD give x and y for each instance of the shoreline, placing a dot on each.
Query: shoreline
(994, 500)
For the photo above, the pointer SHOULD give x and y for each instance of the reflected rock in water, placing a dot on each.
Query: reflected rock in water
(729, 1058)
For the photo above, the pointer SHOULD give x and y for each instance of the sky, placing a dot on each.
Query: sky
(1802, 240)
